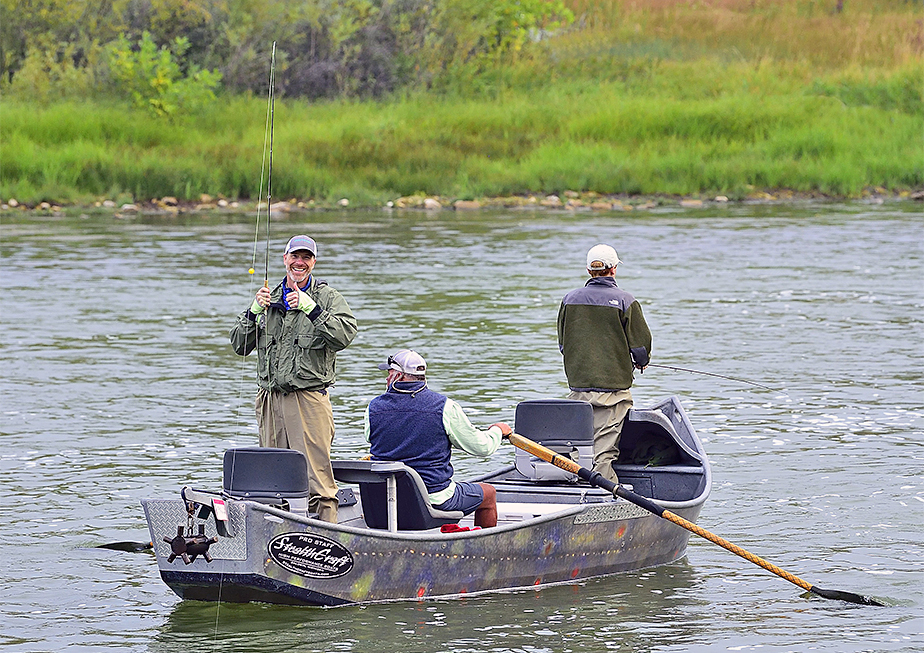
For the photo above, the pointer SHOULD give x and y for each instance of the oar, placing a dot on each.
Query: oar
(131, 547)
(594, 478)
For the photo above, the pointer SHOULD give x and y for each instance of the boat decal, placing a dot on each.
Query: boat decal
(310, 555)
(610, 512)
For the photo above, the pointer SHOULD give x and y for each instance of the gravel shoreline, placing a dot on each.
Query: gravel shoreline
(569, 201)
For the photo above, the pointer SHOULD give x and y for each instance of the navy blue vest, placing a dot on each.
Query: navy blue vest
(406, 424)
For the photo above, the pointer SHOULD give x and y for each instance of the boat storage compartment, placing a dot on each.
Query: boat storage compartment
(566, 426)
(267, 475)
(655, 458)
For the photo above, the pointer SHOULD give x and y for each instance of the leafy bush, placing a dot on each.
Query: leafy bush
(153, 78)
(52, 71)
(467, 38)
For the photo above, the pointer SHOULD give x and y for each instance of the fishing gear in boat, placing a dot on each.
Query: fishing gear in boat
(594, 478)
(721, 376)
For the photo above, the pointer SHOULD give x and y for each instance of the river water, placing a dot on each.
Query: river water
(118, 383)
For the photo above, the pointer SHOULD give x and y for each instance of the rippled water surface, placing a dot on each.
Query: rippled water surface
(118, 383)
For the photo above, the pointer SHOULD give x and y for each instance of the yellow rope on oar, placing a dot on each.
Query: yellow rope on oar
(734, 548)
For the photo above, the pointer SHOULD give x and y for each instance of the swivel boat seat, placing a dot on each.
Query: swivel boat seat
(566, 426)
(276, 477)
(393, 495)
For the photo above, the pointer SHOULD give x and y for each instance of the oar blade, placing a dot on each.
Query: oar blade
(130, 547)
(849, 597)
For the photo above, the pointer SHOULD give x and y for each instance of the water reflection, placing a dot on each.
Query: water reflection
(629, 610)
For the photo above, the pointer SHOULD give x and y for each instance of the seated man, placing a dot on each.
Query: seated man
(414, 425)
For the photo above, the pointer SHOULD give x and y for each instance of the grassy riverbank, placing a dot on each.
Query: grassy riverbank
(669, 100)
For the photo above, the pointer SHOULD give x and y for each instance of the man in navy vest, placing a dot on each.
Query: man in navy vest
(412, 424)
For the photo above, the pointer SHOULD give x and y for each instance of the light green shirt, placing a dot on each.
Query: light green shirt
(462, 434)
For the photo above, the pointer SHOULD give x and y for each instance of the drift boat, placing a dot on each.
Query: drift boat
(254, 540)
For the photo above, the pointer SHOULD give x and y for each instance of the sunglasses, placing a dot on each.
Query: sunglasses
(392, 361)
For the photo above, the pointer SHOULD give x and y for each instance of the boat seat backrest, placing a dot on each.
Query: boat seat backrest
(564, 425)
(265, 473)
(414, 511)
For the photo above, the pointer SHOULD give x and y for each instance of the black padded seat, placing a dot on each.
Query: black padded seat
(552, 422)
(414, 511)
(265, 474)
(566, 426)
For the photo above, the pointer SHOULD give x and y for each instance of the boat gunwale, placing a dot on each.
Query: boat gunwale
(417, 536)
(571, 510)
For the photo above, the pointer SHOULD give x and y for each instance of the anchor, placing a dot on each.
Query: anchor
(191, 546)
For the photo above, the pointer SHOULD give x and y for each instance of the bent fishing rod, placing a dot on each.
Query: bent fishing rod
(720, 376)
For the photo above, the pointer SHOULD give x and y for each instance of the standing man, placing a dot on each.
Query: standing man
(414, 425)
(297, 330)
(602, 336)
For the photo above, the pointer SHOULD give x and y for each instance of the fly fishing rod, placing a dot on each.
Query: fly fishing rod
(269, 176)
(720, 376)
(135, 547)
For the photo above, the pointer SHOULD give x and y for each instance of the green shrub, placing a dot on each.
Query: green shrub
(902, 90)
(153, 78)
(50, 73)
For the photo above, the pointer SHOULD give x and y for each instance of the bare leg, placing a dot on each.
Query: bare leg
(486, 514)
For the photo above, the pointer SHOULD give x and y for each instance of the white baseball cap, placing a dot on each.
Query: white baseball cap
(602, 257)
(406, 361)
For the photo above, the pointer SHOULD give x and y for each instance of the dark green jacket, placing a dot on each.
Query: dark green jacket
(602, 335)
(296, 351)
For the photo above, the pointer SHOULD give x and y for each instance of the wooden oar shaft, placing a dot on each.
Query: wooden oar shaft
(595, 478)
(737, 550)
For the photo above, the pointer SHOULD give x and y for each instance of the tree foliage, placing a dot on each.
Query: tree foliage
(325, 48)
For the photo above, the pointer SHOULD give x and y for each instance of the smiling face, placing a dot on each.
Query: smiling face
(299, 265)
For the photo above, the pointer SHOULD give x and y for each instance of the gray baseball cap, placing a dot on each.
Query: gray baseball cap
(302, 242)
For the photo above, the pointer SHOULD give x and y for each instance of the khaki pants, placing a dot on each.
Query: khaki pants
(610, 410)
(303, 420)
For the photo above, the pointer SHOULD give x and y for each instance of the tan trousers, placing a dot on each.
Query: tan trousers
(303, 420)
(610, 410)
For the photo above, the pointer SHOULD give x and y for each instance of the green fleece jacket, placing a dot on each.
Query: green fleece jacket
(602, 335)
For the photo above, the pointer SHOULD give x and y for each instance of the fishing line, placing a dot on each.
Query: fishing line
(269, 215)
(267, 138)
(268, 171)
(268, 406)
